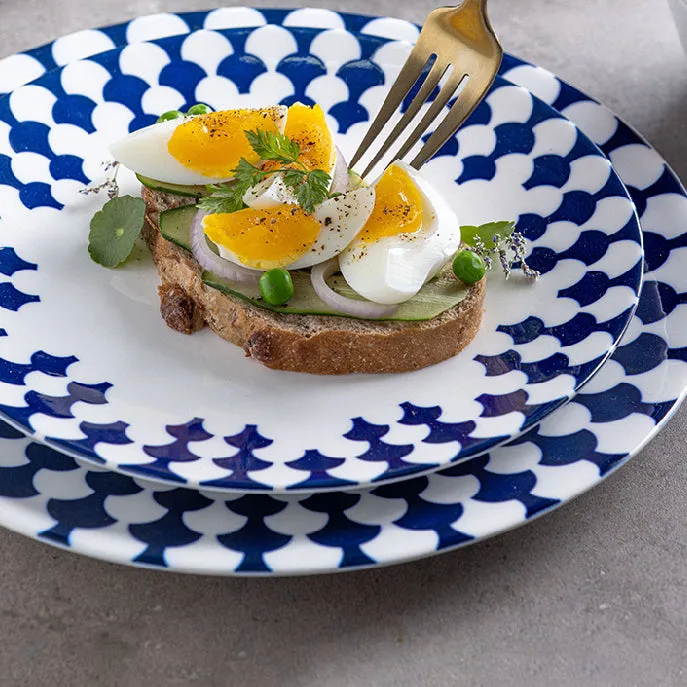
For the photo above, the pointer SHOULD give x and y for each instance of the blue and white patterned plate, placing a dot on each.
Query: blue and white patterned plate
(47, 496)
(88, 365)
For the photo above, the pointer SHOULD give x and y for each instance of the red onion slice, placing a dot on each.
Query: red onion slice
(362, 309)
(340, 176)
(213, 263)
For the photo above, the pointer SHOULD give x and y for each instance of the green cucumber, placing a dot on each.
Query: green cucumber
(175, 225)
(440, 294)
(176, 189)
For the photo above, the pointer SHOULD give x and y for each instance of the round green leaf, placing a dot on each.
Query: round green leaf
(114, 230)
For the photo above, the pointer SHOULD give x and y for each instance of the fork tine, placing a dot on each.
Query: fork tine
(429, 84)
(435, 108)
(461, 110)
(407, 77)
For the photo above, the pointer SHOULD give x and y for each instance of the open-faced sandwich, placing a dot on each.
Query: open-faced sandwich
(259, 230)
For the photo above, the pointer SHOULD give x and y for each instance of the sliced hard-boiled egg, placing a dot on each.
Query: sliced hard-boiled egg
(410, 235)
(263, 239)
(202, 149)
(283, 235)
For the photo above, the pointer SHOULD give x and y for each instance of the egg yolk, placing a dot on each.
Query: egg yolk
(308, 127)
(264, 239)
(397, 208)
(213, 144)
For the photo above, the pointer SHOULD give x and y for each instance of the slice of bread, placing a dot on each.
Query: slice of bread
(301, 343)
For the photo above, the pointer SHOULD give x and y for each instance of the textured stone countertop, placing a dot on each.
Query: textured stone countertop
(593, 594)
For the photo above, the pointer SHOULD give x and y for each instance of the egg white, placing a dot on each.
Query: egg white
(393, 269)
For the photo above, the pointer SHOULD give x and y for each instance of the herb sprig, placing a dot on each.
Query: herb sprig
(311, 186)
(110, 184)
(499, 242)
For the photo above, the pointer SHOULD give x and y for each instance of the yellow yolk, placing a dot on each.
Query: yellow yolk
(308, 127)
(264, 239)
(397, 209)
(213, 144)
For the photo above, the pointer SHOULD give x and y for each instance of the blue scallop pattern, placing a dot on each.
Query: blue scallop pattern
(242, 467)
(342, 532)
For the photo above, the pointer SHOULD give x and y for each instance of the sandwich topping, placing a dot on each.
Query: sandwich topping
(275, 199)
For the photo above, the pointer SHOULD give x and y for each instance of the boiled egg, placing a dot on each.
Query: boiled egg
(410, 235)
(284, 235)
(203, 149)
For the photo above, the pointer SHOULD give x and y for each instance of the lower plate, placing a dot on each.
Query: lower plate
(48, 496)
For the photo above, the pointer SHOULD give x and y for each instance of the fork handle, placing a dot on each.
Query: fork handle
(467, 20)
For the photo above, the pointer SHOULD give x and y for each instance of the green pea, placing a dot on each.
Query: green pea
(468, 267)
(199, 109)
(276, 286)
(172, 114)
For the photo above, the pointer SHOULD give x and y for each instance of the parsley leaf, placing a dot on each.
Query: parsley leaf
(313, 189)
(224, 198)
(269, 146)
(292, 177)
(247, 175)
(228, 197)
(114, 230)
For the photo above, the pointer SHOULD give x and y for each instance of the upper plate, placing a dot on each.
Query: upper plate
(88, 364)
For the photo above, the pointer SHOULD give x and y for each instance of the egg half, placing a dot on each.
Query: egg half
(284, 235)
(411, 233)
(205, 149)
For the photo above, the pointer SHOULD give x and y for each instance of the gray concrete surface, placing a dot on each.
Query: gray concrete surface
(593, 594)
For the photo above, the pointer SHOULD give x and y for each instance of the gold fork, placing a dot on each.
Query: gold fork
(465, 49)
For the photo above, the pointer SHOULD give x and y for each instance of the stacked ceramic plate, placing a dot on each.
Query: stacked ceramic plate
(126, 441)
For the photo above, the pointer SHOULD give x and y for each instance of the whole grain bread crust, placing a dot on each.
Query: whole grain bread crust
(301, 343)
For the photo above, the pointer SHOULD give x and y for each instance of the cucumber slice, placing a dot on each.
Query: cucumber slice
(176, 189)
(435, 297)
(438, 295)
(175, 225)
